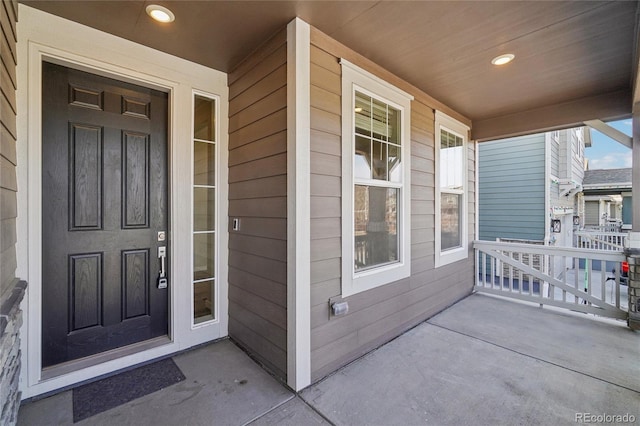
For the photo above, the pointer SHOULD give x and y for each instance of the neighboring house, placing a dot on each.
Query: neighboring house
(607, 197)
(529, 183)
(243, 184)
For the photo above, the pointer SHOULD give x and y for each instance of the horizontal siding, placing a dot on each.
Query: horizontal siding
(577, 164)
(627, 210)
(512, 188)
(554, 158)
(565, 153)
(258, 197)
(326, 170)
(8, 137)
(377, 315)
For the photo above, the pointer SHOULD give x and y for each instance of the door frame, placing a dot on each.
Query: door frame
(46, 37)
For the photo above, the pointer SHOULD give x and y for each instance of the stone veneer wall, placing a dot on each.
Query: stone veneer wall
(633, 257)
(10, 322)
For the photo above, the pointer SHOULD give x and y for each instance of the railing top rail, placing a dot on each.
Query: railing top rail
(591, 233)
(607, 255)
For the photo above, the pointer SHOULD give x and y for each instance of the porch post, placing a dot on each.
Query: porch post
(632, 246)
(635, 177)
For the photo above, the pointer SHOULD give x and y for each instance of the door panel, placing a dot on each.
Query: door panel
(104, 200)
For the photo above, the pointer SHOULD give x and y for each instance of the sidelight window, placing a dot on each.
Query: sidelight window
(204, 208)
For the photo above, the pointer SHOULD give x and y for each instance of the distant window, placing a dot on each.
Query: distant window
(451, 190)
(376, 181)
(580, 141)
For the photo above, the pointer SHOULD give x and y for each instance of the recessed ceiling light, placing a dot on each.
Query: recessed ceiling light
(160, 14)
(503, 59)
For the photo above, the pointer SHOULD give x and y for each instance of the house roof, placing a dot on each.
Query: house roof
(575, 60)
(607, 179)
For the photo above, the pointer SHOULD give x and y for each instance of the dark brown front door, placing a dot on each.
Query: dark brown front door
(104, 201)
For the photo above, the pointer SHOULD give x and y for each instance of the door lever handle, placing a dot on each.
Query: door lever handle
(162, 255)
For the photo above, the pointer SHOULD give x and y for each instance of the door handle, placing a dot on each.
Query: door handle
(162, 255)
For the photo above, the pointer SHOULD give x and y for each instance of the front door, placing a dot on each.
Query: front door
(104, 214)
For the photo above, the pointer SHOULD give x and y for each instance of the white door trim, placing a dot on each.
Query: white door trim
(44, 36)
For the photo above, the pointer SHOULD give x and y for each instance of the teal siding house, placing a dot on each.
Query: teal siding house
(529, 187)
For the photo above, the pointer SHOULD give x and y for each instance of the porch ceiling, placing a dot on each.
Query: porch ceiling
(575, 60)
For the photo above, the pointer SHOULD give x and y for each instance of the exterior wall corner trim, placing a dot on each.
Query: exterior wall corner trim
(298, 205)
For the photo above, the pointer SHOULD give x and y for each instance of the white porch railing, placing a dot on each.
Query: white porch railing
(578, 279)
(599, 240)
(609, 227)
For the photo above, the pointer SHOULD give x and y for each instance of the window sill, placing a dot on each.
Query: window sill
(373, 278)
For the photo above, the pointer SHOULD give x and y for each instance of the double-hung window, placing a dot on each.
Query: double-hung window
(376, 181)
(451, 190)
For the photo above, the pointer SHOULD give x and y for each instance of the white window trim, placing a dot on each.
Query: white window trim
(355, 78)
(443, 121)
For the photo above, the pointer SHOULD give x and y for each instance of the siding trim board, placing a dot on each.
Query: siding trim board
(299, 205)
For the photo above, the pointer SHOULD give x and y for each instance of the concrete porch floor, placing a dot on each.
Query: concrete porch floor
(484, 361)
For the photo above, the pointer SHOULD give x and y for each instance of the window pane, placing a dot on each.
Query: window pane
(394, 125)
(204, 206)
(450, 215)
(363, 114)
(395, 169)
(204, 118)
(204, 163)
(380, 120)
(203, 301)
(376, 224)
(203, 256)
(452, 163)
(362, 163)
(380, 160)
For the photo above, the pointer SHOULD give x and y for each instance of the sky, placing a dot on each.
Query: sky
(605, 153)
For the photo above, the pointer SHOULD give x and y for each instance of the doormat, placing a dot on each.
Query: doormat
(96, 397)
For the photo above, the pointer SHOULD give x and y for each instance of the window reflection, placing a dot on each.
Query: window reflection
(376, 226)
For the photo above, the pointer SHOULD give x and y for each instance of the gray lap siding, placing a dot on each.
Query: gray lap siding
(258, 197)
(377, 315)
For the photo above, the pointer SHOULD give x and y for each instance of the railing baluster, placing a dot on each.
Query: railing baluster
(551, 266)
(511, 273)
(476, 255)
(589, 283)
(576, 268)
(484, 269)
(564, 278)
(603, 281)
(617, 285)
(493, 272)
(520, 275)
(530, 276)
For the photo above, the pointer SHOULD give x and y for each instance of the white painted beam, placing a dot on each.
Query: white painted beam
(613, 133)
